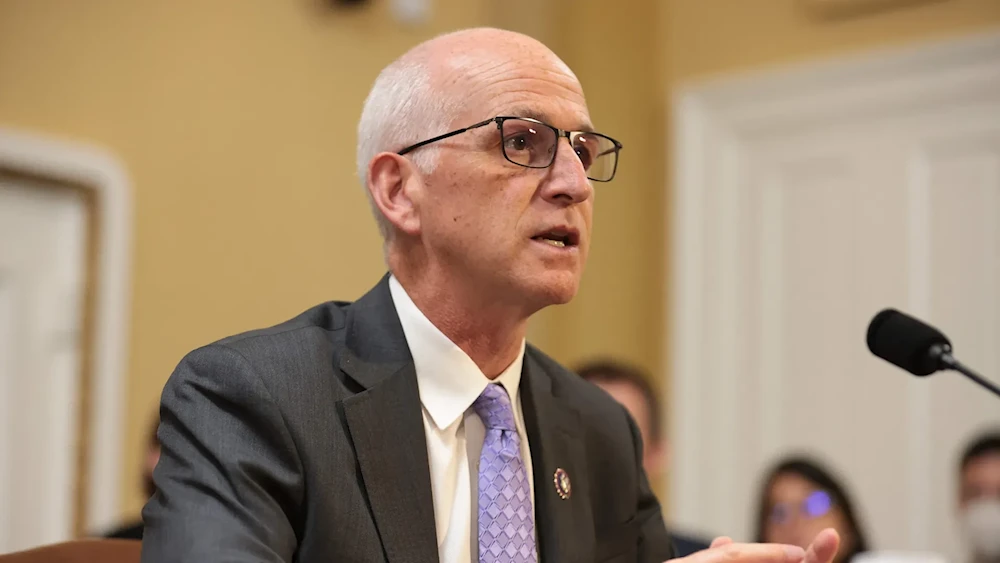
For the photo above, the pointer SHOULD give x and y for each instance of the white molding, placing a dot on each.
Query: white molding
(771, 265)
(7, 330)
(96, 169)
(727, 313)
(918, 396)
(710, 116)
(686, 303)
(821, 90)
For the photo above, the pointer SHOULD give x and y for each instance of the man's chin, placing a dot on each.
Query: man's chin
(556, 290)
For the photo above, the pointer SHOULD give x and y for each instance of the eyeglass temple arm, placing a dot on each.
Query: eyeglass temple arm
(445, 136)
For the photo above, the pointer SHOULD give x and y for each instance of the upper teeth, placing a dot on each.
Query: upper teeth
(555, 242)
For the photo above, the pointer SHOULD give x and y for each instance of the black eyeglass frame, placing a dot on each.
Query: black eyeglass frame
(499, 121)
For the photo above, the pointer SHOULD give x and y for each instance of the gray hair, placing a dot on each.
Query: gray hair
(402, 108)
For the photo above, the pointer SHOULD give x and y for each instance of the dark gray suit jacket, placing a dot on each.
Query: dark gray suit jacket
(305, 442)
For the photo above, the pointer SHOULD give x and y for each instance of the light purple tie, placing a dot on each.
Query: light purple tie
(506, 522)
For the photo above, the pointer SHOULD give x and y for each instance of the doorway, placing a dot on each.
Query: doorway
(65, 236)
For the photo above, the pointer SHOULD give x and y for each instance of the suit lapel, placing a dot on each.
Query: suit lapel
(385, 423)
(552, 426)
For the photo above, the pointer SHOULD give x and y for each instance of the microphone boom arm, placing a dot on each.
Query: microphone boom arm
(943, 354)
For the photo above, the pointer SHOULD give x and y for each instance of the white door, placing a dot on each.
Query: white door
(807, 200)
(42, 261)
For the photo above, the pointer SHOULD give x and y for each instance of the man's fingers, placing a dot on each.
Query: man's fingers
(723, 550)
(721, 541)
(824, 548)
(748, 553)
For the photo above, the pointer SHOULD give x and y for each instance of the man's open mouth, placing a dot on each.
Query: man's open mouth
(559, 237)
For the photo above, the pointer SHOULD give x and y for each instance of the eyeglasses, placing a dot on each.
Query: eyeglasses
(531, 143)
(815, 505)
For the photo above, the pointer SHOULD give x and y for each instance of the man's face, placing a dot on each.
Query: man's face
(631, 398)
(981, 479)
(483, 217)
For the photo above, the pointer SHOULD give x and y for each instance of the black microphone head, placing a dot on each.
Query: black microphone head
(905, 341)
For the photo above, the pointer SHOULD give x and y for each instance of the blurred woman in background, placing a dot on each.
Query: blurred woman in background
(799, 498)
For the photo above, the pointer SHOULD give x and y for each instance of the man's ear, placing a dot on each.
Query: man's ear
(395, 185)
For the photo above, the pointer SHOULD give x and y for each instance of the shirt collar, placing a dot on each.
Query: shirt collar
(447, 378)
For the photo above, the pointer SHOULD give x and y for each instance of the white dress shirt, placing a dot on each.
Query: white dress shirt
(449, 382)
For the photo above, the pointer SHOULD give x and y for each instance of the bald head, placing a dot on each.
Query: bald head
(460, 55)
(492, 195)
(429, 90)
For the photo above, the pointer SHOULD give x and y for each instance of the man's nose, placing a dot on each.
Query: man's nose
(567, 179)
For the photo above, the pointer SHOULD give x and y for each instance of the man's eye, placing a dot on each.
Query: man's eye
(516, 142)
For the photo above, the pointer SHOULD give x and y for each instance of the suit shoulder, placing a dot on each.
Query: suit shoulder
(324, 318)
(301, 338)
(283, 358)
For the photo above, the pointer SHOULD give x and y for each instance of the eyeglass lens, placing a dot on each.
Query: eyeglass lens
(815, 505)
(533, 145)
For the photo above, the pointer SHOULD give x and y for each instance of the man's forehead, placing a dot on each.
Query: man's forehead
(570, 120)
(560, 118)
(496, 83)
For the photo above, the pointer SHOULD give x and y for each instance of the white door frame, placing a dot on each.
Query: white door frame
(709, 120)
(99, 171)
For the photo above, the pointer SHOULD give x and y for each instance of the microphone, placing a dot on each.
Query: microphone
(917, 347)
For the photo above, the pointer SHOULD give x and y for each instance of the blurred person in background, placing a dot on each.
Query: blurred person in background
(133, 530)
(979, 497)
(629, 386)
(798, 499)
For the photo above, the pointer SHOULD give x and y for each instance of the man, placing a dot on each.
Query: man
(630, 387)
(979, 497)
(133, 530)
(415, 425)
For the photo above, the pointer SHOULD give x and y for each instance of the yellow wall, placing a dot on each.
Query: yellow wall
(712, 36)
(236, 122)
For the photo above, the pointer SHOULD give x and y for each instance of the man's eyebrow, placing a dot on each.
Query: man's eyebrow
(525, 111)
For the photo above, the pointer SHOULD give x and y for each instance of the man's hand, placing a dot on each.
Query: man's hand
(723, 550)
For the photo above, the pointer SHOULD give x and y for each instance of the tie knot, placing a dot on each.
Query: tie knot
(494, 408)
